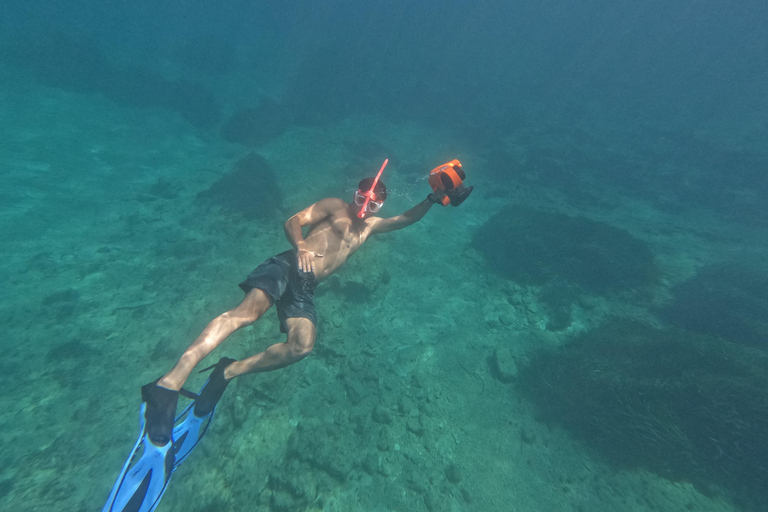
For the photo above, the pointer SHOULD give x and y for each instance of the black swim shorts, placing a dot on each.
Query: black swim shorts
(291, 289)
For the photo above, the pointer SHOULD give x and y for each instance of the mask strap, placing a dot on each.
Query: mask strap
(368, 194)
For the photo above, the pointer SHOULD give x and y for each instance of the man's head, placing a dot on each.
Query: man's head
(376, 196)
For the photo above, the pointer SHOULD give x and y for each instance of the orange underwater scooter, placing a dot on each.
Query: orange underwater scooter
(447, 181)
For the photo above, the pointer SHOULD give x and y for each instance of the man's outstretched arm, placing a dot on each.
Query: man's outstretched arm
(413, 215)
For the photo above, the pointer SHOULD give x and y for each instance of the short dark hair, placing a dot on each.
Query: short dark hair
(380, 192)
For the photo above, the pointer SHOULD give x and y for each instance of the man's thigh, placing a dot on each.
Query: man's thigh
(255, 304)
(301, 333)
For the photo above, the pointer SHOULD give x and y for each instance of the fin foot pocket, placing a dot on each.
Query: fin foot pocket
(160, 411)
(213, 389)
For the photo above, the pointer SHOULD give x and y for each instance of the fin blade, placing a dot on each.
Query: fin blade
(140, 488)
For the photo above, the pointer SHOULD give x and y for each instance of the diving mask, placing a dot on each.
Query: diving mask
(373, 206)
(367, 200)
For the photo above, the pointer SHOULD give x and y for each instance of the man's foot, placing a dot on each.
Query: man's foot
(160, 412)
(213, 389)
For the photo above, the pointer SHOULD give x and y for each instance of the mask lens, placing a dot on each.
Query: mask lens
(373, 206)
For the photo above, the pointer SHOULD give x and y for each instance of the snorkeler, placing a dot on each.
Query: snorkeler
(336, 229)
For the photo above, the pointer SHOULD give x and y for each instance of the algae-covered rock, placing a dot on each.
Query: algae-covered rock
(250, 189)
(726, 300)
(688, 406)
(535, 248)
(82, 64)
(257, 125)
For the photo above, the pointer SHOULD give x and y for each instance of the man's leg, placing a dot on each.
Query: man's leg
(161, 396)
(301, 338)
(255, 304)
(298, 345)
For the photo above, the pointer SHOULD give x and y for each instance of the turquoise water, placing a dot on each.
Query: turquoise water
(586, 332)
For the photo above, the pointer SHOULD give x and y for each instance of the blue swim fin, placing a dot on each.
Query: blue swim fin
(189, 432)
(142, 481)
(193, 422)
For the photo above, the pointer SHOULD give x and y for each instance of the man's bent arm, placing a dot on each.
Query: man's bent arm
(307, 217)
(294, 235)
(293, 232)
(412, 216)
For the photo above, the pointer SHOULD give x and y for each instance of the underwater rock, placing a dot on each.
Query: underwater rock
(726, 300)
(367, 150)
(63, 297)
(333, 456)
(558, 320)
(352, 291)
(73, 349)
(193, 101)
(434, 502)
(143, 87)
(69, 62)
(504, 366)
(386, 442)
(366, 156)
(371, 462)
(164, 188)
(535, 248)
(382, 415)
(281, 501)
(287, 490)
(80, 64)
(326, 85)
(413, 173)
(62, 305)
(558, 299)
(250, 189)
(414, 425)
(207, 54)
(558, 168)
(67, 363)
(355, 390)
(6, 486)
(452, 473)
(709, 172)
(255, 126)
(684, 405)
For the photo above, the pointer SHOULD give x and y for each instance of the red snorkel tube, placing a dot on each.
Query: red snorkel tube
(368, 194)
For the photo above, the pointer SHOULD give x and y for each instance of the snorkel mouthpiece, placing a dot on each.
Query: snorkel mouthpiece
(369, 194)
